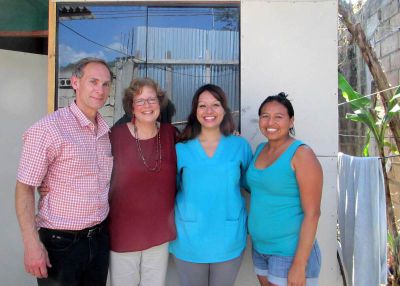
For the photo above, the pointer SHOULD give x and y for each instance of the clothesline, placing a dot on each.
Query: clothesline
(335, 156)
(389, 156)
(368, 95)
(363, 136)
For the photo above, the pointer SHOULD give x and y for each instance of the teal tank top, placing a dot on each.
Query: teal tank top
(276, 214)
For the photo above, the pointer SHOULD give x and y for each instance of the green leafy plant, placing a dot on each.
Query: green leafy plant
(374, 117)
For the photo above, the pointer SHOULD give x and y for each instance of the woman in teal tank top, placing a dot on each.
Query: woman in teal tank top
(285, 180)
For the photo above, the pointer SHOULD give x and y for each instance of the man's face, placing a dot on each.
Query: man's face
(92, 89)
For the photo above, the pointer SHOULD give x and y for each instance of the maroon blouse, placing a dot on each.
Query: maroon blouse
(142, 202)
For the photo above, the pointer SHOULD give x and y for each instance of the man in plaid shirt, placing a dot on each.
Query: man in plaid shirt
(68, 153)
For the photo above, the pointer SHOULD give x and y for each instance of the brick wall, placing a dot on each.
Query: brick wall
(351, 134)
(380, 20)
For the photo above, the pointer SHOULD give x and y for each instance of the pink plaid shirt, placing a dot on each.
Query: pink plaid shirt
(64, 152)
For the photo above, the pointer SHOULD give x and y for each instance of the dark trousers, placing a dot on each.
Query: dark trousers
(77, 259)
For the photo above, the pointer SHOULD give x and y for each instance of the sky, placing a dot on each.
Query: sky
(107, 34)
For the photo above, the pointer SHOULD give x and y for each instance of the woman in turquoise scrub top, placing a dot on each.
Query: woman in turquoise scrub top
(210, 212)
(285, 181)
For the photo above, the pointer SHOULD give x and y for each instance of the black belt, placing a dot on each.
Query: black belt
(87, 232)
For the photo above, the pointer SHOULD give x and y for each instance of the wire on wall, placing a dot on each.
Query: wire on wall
(368, 95)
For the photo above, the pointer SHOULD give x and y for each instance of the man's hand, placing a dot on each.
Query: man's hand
(36, 259)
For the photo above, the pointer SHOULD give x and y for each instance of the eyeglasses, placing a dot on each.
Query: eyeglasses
(142, 101)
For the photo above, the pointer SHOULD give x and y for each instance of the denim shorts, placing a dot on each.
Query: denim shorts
(276, 268)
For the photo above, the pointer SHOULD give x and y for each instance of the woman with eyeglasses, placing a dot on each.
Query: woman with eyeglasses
(210, 213)
(285, 181)
(142, 192)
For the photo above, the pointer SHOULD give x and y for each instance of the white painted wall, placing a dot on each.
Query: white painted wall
(291, 46)
(23, 100)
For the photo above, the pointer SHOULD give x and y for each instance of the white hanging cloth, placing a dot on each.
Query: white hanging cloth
(362, 220)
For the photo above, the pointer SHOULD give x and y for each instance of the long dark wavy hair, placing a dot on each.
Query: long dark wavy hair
(193, 126)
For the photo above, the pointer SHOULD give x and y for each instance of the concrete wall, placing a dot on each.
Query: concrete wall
(381, 22)
(23, 97)
(351, 133)
(284, 49)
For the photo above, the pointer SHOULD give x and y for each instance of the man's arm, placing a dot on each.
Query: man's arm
(35, 257)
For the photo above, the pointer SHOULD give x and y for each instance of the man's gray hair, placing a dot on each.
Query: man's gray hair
(80, 65)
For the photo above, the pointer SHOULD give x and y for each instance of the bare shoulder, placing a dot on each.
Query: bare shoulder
(305, 151)
(305, 156)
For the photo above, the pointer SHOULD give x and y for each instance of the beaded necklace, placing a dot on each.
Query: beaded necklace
(157, 165)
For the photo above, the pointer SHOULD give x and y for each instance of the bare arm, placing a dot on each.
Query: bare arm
(35, 255)
(309, 178)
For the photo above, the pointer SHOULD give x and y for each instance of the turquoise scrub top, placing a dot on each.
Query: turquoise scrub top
(210, 212)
